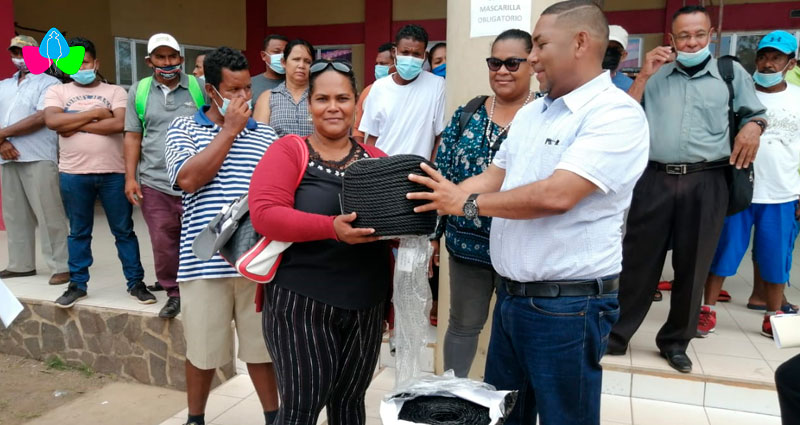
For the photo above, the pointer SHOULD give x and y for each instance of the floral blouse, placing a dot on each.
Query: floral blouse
(460, 157)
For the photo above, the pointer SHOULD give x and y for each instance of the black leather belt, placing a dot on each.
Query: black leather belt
(680, 169)
(561, 288)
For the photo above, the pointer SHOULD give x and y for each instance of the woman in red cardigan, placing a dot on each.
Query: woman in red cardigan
(323, 312)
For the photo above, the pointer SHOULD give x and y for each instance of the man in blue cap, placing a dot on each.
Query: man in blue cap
(774, 211)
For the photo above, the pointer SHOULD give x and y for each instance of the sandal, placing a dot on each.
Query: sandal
(665, 285)
(658, 296)
(724, 296)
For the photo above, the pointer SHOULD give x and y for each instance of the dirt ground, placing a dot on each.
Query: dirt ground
(28, 388)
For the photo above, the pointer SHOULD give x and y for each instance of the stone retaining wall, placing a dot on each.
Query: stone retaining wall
(129, 344)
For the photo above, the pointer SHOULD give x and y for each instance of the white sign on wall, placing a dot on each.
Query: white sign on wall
(491, 17)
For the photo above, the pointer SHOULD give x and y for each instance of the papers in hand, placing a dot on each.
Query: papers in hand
(786, 330)
(10, 307)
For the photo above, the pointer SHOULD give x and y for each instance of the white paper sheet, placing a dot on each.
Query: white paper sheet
(489, 18)
(786, 330)
(10, 307)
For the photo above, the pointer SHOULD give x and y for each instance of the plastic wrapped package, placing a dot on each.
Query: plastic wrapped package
(446, 400)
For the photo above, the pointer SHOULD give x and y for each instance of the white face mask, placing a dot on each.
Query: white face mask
(20, 64)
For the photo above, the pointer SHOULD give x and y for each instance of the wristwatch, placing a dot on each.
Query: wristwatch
(761, 124)
(470, 209)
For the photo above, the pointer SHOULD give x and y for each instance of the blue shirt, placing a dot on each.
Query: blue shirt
(622, 81)
(19, 100)
(460, 157)
(185, 138)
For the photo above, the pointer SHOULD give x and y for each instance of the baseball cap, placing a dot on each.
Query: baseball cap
(161, 39)
(23, 41)
(618, 34)
(781, 41)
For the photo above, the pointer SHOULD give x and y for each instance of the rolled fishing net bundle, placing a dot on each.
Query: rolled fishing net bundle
(446, 400)
(376, 190)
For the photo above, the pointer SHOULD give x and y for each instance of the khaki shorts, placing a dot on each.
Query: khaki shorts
(207, 308)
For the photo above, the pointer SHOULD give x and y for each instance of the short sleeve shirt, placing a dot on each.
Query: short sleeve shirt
(185, 138)
(160, 111)
(83, 152)
(597, 132)
(260, 84)
(19, 100)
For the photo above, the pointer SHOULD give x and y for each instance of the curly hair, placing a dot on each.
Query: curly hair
(223, 57)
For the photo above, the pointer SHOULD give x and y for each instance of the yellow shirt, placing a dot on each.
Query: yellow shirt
(793, 76)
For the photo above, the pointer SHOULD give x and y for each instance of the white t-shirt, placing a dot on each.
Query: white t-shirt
(777, 179)
(405, 119)
(598, 132)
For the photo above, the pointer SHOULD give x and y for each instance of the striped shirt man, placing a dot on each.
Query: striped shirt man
(185, 138)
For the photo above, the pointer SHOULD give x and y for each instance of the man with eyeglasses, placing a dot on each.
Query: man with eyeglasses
(404, 114)
(683, 194)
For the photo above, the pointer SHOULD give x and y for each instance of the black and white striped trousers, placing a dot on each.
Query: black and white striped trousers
(324, 356)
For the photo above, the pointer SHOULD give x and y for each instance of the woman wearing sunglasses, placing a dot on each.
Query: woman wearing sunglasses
(323, 312)
(468, 146)
(285, 108)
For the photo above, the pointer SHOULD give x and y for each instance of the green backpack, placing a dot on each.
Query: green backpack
(143, 91)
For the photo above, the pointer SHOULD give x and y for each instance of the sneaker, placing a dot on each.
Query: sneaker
(142, 295)
(766, 325)
(70, 296)
(707, 322)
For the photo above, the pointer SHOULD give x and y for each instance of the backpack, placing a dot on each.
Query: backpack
(740, 182)
(143, 92)
(469, 110)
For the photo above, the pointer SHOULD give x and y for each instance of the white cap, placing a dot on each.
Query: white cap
(158, 40)
(618, 34)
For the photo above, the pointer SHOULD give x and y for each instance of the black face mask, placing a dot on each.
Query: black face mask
(612, 59)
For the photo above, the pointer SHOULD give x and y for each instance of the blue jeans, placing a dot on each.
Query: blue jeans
(549, 349)
(79, 193)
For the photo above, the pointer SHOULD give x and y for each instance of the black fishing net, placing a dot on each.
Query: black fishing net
(376, 189)
(440, 410)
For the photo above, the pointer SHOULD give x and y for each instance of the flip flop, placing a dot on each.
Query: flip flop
(658, 296)
(724, 296)
(665, 285)
(786, 308)
(756, 307)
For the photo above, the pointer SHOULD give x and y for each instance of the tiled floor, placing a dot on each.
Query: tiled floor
(736, 353)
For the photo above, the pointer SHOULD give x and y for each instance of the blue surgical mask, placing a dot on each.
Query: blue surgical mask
(84, 77)
(768, 80)
(202, 80)
(693, 59)
(226, 102)
(168, 72)
(409, 67)
(440, 70)
(275, 63)
(381, 71)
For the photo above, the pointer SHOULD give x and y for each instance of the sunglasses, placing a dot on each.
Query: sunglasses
(323, 64)
(512, 64)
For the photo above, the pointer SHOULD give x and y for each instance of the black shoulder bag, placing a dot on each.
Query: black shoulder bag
(740, 182)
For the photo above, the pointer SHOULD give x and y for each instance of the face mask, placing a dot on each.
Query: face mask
(226, 102)
(20, 64)
(275, 63)
(84, 77)
(612, 58)
(409, 67)
(202, 80)
(168, 72)
(768, 80)
(381, 71)
(693, 59)
(440, 70)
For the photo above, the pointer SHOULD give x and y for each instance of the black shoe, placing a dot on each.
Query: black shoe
(155, 287)
(8, 274)
(142, 295)
(615, 351)
(171, 308)
(678, 360)
(70, 296)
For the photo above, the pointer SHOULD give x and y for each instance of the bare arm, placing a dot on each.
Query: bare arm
(371, 140)
(132, 150)
(112, 125)
(653, 61)
(263, 111)
(489, 181)
(200, 169)
(24, 126)
(63, 122)
(554, 195)
(436, 143)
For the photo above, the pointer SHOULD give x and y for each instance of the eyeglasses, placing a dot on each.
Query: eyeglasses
(512, 64)
(323, 64)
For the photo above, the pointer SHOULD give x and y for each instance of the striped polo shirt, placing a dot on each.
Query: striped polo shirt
(185, 138)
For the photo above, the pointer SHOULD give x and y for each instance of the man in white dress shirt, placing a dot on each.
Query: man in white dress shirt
(558, 189)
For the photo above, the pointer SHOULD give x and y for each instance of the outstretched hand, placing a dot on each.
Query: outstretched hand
(446, 198)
